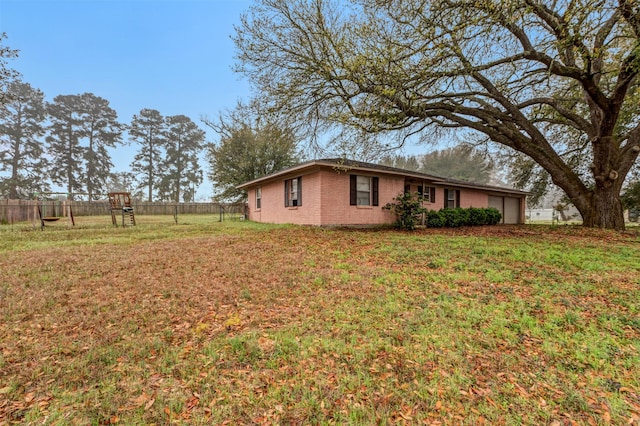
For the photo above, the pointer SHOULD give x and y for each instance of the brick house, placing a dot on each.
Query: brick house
(346, 192)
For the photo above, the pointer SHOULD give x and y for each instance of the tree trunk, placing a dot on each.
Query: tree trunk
(604, 209)
(13, 183)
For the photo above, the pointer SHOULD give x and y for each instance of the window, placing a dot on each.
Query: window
(293, 192)
(258, 197)
(426, 193)
(452, 198)
(363, 190)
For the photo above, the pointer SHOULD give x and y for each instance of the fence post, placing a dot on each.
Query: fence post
(175, 212)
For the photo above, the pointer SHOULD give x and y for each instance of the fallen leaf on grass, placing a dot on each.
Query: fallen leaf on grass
(521, 390)
(144, 400)
(192, 402)
(491, 401)
(266, 345)
(405, 416)
(149, 404)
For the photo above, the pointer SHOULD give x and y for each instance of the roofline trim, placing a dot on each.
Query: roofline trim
(331, 163)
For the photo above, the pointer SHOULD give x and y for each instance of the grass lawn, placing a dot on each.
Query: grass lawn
(242, 323)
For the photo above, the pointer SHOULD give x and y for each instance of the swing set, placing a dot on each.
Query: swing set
(120, 204)
(48, 211)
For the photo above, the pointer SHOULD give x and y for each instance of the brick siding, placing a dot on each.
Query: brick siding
(325, 200)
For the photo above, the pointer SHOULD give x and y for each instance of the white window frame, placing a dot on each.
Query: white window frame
(363, 190)
(293, 192)
(258, 198)
(426, 193)
(452, 197)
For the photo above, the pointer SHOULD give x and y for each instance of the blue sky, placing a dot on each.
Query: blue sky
(171, 55)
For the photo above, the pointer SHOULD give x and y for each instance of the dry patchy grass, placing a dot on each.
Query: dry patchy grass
(249, 324)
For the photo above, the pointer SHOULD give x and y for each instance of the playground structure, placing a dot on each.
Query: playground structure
(53, 210)
(73, 210)
(120, 202)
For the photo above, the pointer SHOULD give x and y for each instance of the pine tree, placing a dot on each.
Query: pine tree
(21, 147)
(65, 133)
(184, 142)
(7, 75)
(102, 130)
(147, 129)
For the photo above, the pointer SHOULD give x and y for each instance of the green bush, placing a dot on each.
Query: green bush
(477, 216)
(453, 218)
(408, 208)
(463, 217)
(493, 216)
(435, 219)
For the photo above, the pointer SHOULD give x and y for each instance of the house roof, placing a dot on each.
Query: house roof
(346, 165)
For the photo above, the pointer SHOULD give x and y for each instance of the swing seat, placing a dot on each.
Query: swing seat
(50, 219)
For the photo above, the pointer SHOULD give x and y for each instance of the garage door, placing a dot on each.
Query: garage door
(511, 210)
(509, 207)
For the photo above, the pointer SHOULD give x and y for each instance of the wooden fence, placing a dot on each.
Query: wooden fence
(13, 211)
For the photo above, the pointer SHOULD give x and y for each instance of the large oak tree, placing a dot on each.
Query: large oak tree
(555, 81)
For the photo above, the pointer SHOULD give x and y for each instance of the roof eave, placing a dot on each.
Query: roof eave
(278, 174)
(389, 171)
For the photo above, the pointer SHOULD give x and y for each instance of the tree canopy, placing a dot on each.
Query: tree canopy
(148, 129)
(167, 159)
(7, 75)
(461, 162)
(65, 133)
(65, 142)
(82, 127)
(631, 196)
(101, 130)
(251, 145)
(182, 172)
(555, 81)
(410, 162)
(22, 119)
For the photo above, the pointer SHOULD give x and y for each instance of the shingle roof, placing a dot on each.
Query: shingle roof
(348, 164)
(374, 166)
